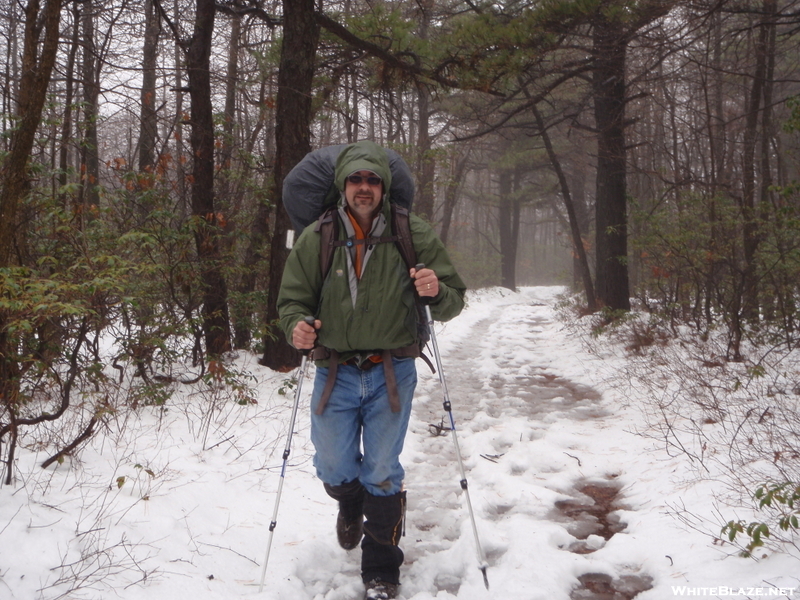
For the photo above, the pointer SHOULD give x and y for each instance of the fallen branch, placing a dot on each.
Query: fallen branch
(87, 433)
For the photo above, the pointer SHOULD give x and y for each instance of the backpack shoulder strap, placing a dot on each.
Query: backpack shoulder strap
(401, 230)
(328, 228)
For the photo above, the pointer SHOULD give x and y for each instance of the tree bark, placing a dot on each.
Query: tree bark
(149, 124)
(509, 229)
(216, 324)
(451, 196)
(90, 159)
(36, 72)
(255, 253)
(226, 151)
(69, 93)
(610, 42)
(751, 228)
(180, 159)
(14, 174)
(293, 142)
(426, 164)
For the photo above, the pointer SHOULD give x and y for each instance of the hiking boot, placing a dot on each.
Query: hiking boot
(350, 521)
(349, 533)
(377, 590)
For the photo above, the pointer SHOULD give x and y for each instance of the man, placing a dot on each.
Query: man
(365, 338)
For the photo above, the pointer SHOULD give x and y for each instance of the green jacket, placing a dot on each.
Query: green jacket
(376, 312)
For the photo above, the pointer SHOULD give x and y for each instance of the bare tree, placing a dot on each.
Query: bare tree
(149, 118)
(572, 213)
(90, 70)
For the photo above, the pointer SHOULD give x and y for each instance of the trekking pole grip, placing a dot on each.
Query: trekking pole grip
(309, 320)
(422, 299)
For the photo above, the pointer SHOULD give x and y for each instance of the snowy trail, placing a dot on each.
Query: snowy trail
(514, 410)
(526, 431)
(175, 502)
(570, 503)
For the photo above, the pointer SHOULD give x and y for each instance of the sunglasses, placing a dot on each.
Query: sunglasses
(371, 179)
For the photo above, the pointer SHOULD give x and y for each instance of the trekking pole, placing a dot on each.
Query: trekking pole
(482, 565)
(286, 451)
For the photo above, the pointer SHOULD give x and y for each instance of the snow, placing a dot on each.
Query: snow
(175, 501)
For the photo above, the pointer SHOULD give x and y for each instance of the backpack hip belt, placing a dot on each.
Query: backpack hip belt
(322, 353)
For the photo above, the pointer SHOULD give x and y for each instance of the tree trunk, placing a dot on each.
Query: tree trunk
(509, 226)
(766, 183)
(227, 188)
(259, 234)
(90, 160)
(574, 224)
(36, 71)
(451, 195)
(216, 324)
(717, 117)
(66, 125)
(149, 124)
(608, 85)
(577, 187)
(10, 87)
(292, 137)
(718, 143)
(180, 159)
(767, 133)
(751, 228)
(226, 151)
(14, 175)
(426, 165)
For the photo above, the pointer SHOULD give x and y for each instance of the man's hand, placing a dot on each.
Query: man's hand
(426, 282)
(304, 335)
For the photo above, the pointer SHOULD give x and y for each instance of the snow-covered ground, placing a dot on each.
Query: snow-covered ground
(175, 502)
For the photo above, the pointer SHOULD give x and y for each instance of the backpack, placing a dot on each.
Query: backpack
(308, 189)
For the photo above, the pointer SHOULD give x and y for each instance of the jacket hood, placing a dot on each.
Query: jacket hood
(363, 156)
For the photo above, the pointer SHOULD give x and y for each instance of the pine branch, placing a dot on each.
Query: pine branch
(393, 60)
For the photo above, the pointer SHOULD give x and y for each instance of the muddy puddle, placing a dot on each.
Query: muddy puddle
(590, 514)
(598, 586)
(592, 518)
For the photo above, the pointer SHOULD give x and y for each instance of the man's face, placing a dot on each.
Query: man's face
(363, 191)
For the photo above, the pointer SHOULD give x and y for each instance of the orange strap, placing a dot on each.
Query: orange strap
(360, 235)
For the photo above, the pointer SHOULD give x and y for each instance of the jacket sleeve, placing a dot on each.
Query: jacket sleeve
(449, 302)
(301, 283)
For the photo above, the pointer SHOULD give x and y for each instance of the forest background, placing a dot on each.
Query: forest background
(644, 151)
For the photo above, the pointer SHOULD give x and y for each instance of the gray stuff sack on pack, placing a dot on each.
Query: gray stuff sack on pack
(309, 187)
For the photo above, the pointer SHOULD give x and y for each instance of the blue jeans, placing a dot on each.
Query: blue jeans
(358, 436)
